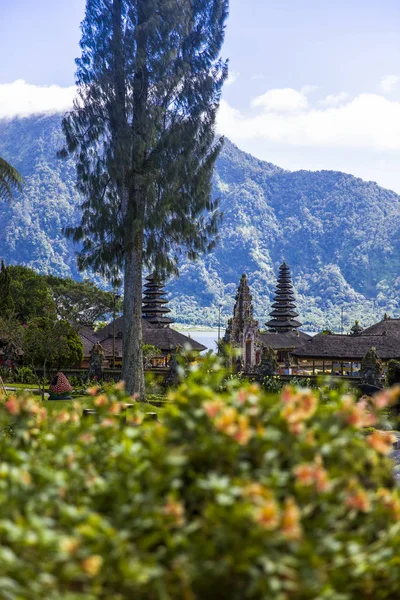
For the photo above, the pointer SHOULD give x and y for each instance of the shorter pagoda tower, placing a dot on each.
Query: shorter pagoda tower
(154, 308)
(284, 308)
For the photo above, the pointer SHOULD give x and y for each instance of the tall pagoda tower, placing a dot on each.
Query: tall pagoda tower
(284, 313)
(154, 307)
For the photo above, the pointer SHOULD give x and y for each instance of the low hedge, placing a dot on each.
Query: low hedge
(235, 495)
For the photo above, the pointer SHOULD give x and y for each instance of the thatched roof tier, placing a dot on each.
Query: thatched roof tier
(277, 313)
(285, 340)
(161, 337)
(350, 348)
(154, 305)
(387, 326)
(283, 323)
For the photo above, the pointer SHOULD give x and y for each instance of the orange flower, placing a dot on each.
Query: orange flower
(93, 391)
(115, 408)
(356, 415)
(291, 526)
(236, 426)
(298, 406)
(256, 492)
(267, 515)
(391, 500)
(242, 436)
(120, 386)
(213, 407)
(86, 438)
(242, 395)
(175, 511)
(358, 499)
(296, 428)
(12, 405)
(92, 565)
(305, 474)
(63, 417)
(387, 397)
(287, 394)
(101, 400)
(313, 474)
(254, 388)
(382, 441)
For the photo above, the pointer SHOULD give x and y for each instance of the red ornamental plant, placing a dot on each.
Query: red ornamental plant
(234, 494)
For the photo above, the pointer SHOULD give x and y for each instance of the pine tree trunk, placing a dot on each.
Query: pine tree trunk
(132, 360)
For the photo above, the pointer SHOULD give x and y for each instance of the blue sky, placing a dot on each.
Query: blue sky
(314, 84)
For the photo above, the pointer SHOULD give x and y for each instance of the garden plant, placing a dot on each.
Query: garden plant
(235, 494)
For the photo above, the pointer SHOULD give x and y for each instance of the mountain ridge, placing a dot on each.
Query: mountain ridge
(338, 233)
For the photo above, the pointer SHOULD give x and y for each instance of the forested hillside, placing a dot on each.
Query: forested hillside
(339, 234)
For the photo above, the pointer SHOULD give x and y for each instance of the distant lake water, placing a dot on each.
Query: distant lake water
(207, 338)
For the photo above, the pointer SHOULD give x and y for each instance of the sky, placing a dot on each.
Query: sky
(313, 84)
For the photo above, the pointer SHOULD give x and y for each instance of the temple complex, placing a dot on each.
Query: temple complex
(282, 335)
(155, 326)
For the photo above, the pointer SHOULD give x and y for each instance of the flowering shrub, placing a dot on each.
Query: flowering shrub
(234, 495)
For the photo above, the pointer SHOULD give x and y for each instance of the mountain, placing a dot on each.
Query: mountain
(339, 234)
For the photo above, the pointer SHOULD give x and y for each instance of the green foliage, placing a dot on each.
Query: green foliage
(6, 301)
(24, 375)
(30, 293)
(10, 180)
(11, 331)
(234, 495)
(393, 372)
(51, 344)
(81, 302)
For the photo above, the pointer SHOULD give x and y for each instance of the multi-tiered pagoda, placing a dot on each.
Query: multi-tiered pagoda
(284, 308)
(154, 308)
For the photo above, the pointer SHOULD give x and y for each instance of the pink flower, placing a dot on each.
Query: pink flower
(13, 406)
(382, 441)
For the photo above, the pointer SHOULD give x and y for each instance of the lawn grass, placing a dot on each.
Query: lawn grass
(85, 401)
(88, 402)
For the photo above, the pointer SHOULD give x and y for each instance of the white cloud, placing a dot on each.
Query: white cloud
(284, 100)
(335, 99)
(368, 121)
(232, 77)
(388, 83)
(20, 99)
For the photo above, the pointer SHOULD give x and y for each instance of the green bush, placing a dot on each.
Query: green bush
(393, 372)
(235, 495)
(25, 375)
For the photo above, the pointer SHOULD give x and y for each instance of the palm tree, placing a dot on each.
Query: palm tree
(10, 180)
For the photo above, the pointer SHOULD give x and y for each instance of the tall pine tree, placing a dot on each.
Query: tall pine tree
(6, 301)
(143, 131)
